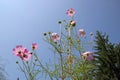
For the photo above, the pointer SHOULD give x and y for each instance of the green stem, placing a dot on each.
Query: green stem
(84, 71)
(70, 49)
(41, 65)
(27, 68)
(61, 62)
(23, 71)
(61, 58)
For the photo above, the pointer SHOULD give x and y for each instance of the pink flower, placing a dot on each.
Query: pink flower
(34, 46)
(82, 33)
(18, 51)
(22, 52)
(87, 56)
(70, 12)
(26, 56)
(54, 37)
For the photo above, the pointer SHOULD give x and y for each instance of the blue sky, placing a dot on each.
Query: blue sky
(25, 21)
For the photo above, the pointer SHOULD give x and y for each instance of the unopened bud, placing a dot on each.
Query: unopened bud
(45, 34)
(17, 62)
(59, 22)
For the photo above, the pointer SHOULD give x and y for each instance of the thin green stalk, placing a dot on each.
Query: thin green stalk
(61, 58)
(23, 71)
(44, 67)
(27, 68)
(84, 70)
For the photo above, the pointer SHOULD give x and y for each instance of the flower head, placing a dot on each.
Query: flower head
(22, 52)
(18, 50)
(34, 46)
(87, 56)
(26, 56)
(70, 12)
(54, 37)
(82, 33)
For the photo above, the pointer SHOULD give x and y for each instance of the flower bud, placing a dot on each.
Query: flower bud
(49, 32)
(59, 22)
(45, 34)
(73, 23)
(70, 59)
(17, 62)
(91, 33)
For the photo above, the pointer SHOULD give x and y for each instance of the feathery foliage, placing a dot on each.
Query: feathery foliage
(107, 59)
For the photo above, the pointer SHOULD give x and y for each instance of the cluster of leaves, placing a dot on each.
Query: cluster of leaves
(2, 73)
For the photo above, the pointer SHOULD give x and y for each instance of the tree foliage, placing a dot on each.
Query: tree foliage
(107, 59)
(2, 73)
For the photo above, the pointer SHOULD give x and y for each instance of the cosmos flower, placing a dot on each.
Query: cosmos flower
(87, 56)
(26, 55)
(82, 33)
(18, 50)
(34, 46)
(70, 12)
(22, 52)
(54, 37)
